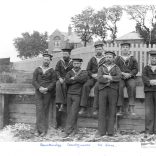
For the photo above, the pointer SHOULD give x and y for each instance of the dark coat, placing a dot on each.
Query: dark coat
(104, 82)
(93, 65)
(62, 69)
(47, 79)
(75, 86)
(148, 75)
(128, 66)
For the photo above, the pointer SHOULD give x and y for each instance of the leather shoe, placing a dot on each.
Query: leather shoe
(62, 108)
(43, 134)
(82, 111)
(95, 113)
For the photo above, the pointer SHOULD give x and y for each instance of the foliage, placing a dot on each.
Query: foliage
(89, 23)
(99, 24)
(30, 45)
(145, 18)
(83, 24)
(113, 15)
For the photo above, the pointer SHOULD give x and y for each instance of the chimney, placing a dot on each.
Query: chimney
(69, 30)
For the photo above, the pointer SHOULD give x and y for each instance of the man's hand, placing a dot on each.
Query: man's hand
(72, 78)
(43, 90)
(109, 77)
(61, 80)
(126, 75)
(152, 82)
(94, 76)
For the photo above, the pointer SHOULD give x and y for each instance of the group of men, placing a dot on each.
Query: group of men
(107, 73)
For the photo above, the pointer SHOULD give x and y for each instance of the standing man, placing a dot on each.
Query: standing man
(75, 79)
(62, 67)
(44, 81)
(149, 79)
(108, 77)
(129, 68)
(94, 63)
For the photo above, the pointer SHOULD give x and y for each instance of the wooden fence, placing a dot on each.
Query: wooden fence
(139, 51)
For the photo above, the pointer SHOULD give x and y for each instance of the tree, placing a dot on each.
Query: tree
(145, 18)
(113, 15)
(83, 24)
(106, 20)
(99, 24)
(31, 45)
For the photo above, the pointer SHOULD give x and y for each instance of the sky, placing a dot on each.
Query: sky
(18, 16)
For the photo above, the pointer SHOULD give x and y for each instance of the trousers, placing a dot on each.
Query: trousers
(107, 110)
(131, 90)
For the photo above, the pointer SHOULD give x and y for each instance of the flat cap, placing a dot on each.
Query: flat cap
(98, 44)
(77, 59)
(110, 52)
(125, 43)
(66, 47)
(47, 55)
(152, 52)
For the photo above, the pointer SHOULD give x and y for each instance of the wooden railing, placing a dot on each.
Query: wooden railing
(139, 51)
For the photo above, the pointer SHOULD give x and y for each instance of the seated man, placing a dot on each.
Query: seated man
(149, 79)
(92, 69)
(62, 67)
(109, 76)
(129, 68)
(75, 79)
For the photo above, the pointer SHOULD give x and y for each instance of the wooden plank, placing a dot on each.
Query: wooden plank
(87, 122)
(16, 88)
(1, 111)
(22, 118)
(22, 108)
(139, 128)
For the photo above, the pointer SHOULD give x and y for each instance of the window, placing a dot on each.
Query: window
(57, 42)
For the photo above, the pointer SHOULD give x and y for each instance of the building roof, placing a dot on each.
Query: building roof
(130, 36)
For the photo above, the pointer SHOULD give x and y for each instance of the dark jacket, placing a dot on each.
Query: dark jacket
(148, 75)
(75, 86)
(128, 66)
(47, 80)
(104, 82)
(93, 65)
(62, 69)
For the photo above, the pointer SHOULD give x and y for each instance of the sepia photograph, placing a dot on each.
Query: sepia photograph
(78, 74)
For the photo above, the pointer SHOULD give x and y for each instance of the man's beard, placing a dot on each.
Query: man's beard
(76, 68)
(108, 62)
(66, 58)
(99, 54)
(45, 64)
(153, 63)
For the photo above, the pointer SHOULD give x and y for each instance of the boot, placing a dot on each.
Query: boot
(82, 111)
(62, 108)
(95, 113)
(131, 110)
(119, 113)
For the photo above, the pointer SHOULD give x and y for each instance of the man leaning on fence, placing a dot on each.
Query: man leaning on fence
(129, 68)
(94, 63)
(44, 81)
(149, 79)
